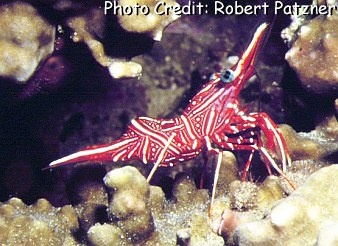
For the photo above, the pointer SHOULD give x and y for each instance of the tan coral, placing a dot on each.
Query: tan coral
(105, 235)
(152, 23)
(299, 219)
(184, 191)
(26, 40)
(91, 24)
(243, 195)
(314, 55)
(89, 27)
(129, 193)
(314, 145)
(134, 203)
(38, 224)
(228, 172)
(301, 147)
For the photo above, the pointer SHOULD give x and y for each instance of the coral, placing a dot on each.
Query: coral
(310, 150)
(243, 195)
(328, 129)
(156, 199)
(135, 208)
(199, 232)
(26, 40)
(25, 45)
(314, 145)
(268, 193)
(152, 23)
(299, 219)
(38, 224)
(228, 172)
(120, 69)
(328, 234)
(247, 202)
(136, 212)
(196, 235)
(86, 28)
(89, 197)
(289, 34)
(94, 110)
(89, 27)
(300, 145)
(314, 55)
(105, 235)
(186, 216)
(129, 193)
(184, 191)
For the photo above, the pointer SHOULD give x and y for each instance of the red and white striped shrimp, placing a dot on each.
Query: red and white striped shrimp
(214, 117)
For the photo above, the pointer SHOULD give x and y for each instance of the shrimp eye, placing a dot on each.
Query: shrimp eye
(227, 75)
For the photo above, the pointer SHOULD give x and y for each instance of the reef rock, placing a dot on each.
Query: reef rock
(26, 40)
(38, 224)
(314, 55)
(303, 218)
